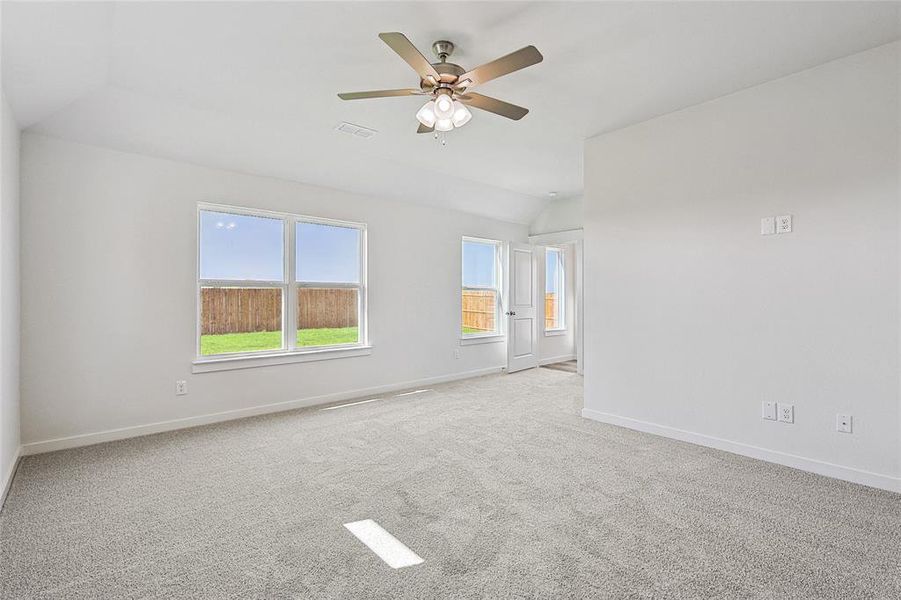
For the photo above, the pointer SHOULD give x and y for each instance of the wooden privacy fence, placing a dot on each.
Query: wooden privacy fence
(479, 310)
(326, 307)
(242, 310)
(550, 310)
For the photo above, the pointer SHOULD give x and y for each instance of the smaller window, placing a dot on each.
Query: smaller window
(481, 288)
(553, 290)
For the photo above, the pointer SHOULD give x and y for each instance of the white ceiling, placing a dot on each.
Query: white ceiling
(251, 86)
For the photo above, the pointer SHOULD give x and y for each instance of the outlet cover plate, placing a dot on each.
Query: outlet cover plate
(786, 412)
(784, 224)
(843, 423)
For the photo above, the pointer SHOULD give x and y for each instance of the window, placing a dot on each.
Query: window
(481, 287)
(272, 283)
(328, 284)
(553, 290)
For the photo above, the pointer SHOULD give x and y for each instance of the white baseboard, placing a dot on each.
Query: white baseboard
(557, 359)
(8, 476)
(87, 439)
(876, 480)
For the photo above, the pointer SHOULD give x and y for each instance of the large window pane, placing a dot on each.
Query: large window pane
(479, 311)
(241, 247)
(328, 253)
(251, 301)
(479, 264)
(327, 316)
(240, 319)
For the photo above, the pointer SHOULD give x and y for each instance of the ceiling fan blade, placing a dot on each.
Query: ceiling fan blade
(498, 107)
(407, 51)
(522, 58)
(379, 94)
(424, 129)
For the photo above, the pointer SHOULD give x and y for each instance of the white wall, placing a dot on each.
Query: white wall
(693, 318)
(108, 305)
(559, 215)
(9, 293)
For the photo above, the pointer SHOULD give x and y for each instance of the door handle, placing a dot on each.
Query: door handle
(510, 313)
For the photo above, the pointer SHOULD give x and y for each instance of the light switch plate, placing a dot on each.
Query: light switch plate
(786, 412)
(768, 226)
(769, 411)
(843, 423)
(784, 224)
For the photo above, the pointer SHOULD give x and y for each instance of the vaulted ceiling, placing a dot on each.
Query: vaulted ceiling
(252, 86)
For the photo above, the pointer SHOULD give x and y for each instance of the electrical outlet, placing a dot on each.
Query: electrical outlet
(786, 412)
(769, 411)
(181, 387)
(843, 423)
(784, 224)
(457, 353)
(768, 226)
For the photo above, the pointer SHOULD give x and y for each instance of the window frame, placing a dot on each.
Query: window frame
(289, 286)
(561, 286)
(499, 331)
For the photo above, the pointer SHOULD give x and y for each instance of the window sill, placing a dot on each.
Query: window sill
(230, 363)
(482, 339)
(550, 332)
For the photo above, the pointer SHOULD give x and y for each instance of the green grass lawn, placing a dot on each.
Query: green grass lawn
(227, 343)
(473, 330)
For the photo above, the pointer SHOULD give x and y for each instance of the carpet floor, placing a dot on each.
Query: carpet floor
(497, 483)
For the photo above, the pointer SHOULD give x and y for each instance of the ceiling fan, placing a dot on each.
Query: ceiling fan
(448, 84)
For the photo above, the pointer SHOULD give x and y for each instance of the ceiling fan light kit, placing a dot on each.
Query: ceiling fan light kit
(448, 84)
(426, 114)
(461, 114)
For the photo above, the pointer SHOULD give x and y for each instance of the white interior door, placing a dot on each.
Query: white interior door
(522, 309)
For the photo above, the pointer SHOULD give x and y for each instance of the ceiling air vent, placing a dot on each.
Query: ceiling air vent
(356, 130)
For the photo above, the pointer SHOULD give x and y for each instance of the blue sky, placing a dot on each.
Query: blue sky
(240, 247)
(327, 253)
(551, 273)
(244, 247)
(478, 265)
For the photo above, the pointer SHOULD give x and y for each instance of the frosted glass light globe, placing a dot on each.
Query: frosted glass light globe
(426, 114)
(444, 125)
(444, 106)
(461, 114)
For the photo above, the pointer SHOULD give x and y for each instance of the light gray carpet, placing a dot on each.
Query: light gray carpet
(496, 482)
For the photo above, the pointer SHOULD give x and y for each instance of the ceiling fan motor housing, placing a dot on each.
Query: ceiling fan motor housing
(448, 74)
